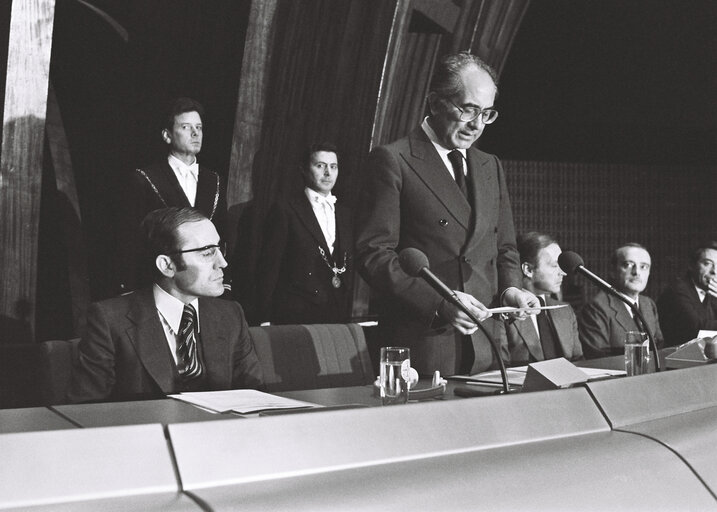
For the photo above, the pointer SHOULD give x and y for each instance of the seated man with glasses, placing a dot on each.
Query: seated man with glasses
(173, 335)
(604, 320)
(434, 191)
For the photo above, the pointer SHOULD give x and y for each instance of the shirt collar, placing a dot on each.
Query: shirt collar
(435, 141)
(171, 308)
(701, 293)
(178, 166)
(315, 197)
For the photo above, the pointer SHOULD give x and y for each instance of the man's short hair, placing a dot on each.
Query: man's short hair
(530, 244)
(159, 231)
(613, 258)
(699, 251)
(446, 80)
(315, 148)
(179, 106)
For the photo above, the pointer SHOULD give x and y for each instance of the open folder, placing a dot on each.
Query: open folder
(241, 401)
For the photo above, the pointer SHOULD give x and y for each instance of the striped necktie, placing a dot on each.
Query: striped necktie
(188, 362)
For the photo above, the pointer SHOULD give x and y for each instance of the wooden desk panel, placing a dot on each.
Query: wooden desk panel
(594, 472)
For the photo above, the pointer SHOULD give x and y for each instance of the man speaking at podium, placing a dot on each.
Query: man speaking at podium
(434, 192)
(174, 335)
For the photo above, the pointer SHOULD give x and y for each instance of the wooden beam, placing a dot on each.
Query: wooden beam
(23, 135)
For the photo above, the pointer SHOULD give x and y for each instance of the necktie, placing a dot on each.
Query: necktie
(188, 363)
(547, 340)
(456, 160)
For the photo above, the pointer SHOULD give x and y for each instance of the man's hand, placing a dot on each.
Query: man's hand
(457, 318)
(712, 288)
(520, 299)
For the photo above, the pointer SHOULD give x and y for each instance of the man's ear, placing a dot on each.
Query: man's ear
(434, 105)
(165, 265)
(165, 136)
(527, 269)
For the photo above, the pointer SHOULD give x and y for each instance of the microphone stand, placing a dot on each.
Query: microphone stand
(491, 341)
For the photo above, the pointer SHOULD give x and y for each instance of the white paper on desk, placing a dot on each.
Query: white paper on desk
(242, 401)
(516, 375)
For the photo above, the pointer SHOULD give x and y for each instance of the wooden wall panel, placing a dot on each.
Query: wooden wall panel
(28, 62)
(593, 208)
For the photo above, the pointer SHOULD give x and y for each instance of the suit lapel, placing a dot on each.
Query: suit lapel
(215, 345)
(343, 233)
(527, 331)
(170, 187)
(306, 216)
(148, 338)
(622, 317)
(481, 187)
(428, 166)
(561, 323)
(207, 189)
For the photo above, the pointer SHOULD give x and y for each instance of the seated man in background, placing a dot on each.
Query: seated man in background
(174, 335)
(305, 272)
(552, 333)
(690, 303)
(605, 319)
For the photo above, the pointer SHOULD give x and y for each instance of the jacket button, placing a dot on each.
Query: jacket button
(309, 273)
(467, 260)
(316, 292)
(443, 222)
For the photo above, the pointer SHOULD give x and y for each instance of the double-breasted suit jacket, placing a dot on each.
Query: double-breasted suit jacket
(294, 279)
(604, 321)
(411, 200)
(156, 186)
(683, 314)
(124, 354)
(525, 346)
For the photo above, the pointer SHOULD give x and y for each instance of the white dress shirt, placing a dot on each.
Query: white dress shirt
(443, 152)
(187, 175)
(170, 312)
(325, 211)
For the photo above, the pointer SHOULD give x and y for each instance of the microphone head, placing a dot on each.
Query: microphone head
(570, 261)
(412, 261)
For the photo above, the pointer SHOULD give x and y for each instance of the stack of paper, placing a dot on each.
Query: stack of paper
(242, 401)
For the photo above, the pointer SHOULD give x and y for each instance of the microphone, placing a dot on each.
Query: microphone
(415, 263)
(572, 263)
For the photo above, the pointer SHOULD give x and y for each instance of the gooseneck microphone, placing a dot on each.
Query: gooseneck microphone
(572, 263)
(415, 263)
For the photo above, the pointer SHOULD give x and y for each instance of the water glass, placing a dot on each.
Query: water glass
(395, 372)
(637, 353)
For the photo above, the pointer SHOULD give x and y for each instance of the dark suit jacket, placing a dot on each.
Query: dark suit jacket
(523, 341)
(682, 315)
(411, 200)
(294, 282)
(604, 321)
(124, 354)
(153, 187)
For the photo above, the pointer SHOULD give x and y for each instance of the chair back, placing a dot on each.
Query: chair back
(295, 357)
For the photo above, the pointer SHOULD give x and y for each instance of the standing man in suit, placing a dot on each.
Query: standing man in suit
(178, 180)
(605, 319)
(434, 192)
(551, 333)
(305, 272)
(173, 335)
(690, 303)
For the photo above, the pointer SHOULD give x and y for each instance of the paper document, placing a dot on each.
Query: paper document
(516, 375)
(508, 309)
(242, 401)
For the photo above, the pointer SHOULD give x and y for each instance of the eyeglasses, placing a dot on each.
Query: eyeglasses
(211, 250)
(487, 115)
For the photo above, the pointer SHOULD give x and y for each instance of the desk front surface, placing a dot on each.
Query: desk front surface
(602, 471)
(35, 418)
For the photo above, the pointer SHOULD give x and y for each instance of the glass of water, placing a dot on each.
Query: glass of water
(395, 372)
(637, 353)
